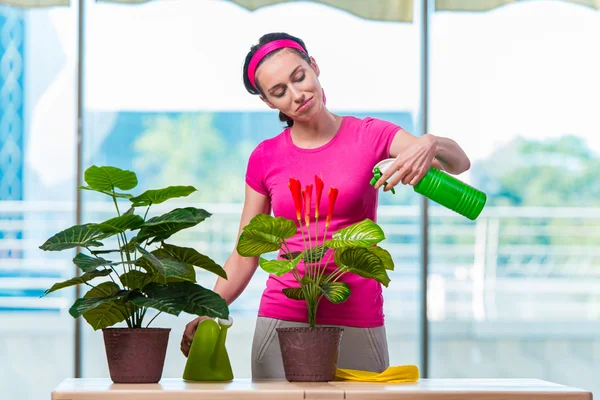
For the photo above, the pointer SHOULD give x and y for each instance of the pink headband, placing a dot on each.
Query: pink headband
(266, 49)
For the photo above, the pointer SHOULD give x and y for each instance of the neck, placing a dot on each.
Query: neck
(316, 132)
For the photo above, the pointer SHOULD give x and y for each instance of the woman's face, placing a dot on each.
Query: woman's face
(291, 85)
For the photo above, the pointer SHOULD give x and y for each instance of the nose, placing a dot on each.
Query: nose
(296, 94)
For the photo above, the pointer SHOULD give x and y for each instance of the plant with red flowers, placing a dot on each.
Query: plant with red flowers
(352, 247)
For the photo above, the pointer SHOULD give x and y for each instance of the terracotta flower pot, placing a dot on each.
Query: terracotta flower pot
(136, 355)
(310, 354)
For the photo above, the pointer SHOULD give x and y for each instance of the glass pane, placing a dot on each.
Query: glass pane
(164, 97)
(515, 294)
(37, 179)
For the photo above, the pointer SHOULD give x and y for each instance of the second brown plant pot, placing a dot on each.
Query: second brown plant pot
(310, 354)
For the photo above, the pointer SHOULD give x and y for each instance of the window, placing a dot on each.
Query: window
(37, 177)
(170, 104)
(515, 294)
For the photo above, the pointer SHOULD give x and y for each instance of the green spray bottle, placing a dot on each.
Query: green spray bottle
(208, 359)
(444, 189)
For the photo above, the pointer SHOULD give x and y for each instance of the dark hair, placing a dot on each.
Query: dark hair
(269, 37)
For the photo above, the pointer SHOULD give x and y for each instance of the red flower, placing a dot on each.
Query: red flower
(318, 191)
(296, 190)
(333, 193)
(307, 199)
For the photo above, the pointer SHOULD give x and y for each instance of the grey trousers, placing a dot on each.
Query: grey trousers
(361, 348)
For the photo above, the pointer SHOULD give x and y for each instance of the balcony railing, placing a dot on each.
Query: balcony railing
(512, 263)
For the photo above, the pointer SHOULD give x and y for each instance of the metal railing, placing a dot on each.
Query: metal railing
(512, 263)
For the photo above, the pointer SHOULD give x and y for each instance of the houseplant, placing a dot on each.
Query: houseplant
(310, 354)
(138, 277)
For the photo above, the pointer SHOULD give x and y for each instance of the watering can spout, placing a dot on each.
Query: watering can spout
(208, 359)
(219, 351)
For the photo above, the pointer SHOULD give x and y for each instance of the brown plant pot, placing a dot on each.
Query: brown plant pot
(310, 354)
(136, 355)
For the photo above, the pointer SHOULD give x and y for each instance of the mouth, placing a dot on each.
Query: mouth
(304, 106)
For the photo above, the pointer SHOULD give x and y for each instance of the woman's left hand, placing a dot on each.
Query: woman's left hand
(412, 163)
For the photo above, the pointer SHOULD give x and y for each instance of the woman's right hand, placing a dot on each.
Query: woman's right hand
(188, 335)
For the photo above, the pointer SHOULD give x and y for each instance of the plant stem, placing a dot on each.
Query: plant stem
(336, 275)
(303, 241)
(153, 319)
(322, 270)
(308, 264)
(147, 209)
(142, 315)
(111, 267)
(322, 252)
(121, 253)
(295, 269)
(115, 201)
(127, 320)
(125, 245)
(316, 239)
(310, 306)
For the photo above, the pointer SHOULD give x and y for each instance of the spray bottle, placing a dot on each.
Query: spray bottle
(444, 189)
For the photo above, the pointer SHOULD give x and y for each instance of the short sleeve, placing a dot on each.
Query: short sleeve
(382, 134)
(255, 172)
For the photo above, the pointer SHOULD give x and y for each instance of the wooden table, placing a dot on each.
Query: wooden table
(240, 389)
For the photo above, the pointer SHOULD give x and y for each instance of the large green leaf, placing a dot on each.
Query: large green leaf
(87, 235)
(162, 227)
(86, 304)
(190, 256)
(149, 262)
(137, 279)
(294, 293)
(335, 292)
(384, 255)
(106, 179)
(173, 298)
(108, 313)
(254, 243)
(120, 224)
(362, 262)
(153, 263)
(106, 192)
(264, 234)
(87, 263)
(360, 234)
(161, 195)
(278, 267)
(280, 227)
(88, 276)
(314, 254)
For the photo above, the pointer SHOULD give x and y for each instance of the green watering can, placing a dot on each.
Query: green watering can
(208, 359)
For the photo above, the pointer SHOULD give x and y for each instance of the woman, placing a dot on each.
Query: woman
(342, 150)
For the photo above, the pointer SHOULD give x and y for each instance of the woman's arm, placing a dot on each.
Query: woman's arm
(415, 155)
(239, 269)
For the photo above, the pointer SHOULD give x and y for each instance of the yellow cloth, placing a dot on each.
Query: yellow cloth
(398, 374)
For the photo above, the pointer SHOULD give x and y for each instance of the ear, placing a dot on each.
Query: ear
(315, 66)
(267, 102)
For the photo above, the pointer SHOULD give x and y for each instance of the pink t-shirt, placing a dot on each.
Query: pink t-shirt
(345, 162)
